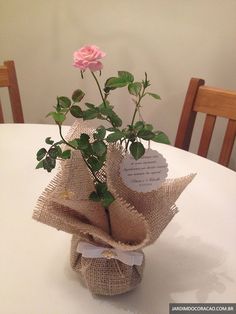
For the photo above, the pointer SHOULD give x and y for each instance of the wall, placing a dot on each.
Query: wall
(171, 40)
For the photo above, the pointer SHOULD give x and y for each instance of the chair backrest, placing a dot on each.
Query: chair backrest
(213, 102)
(8, 79)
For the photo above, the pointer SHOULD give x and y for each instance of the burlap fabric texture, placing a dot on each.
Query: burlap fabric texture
(137, 219)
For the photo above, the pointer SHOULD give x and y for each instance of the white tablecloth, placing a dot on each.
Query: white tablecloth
(194, 260)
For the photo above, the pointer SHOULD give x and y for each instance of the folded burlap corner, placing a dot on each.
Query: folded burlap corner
(137, 219)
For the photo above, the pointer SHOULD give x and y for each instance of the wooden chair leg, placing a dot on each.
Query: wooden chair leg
(228, 143)
(206, 135)
(14, 93)
(1, 113)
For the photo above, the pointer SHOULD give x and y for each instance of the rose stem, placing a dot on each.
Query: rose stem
(108, 220)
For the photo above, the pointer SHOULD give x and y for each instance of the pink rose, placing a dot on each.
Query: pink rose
(88, 57)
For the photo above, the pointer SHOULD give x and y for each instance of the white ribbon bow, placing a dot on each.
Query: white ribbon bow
(92, 251)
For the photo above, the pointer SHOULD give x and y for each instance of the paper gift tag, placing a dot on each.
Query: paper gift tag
(145, 174)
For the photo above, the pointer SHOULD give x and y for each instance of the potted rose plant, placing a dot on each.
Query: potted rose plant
(110, 222)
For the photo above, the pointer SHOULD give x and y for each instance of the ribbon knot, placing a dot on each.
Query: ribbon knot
(93, 251)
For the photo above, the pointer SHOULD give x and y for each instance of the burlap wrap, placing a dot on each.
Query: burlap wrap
(137, 219)
(105, 276)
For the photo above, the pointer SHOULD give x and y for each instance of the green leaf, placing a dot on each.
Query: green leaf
(113, 137)
(87, 152)
(74, 143)
(101, 132)
(94, 163)
(105, 111)
(137, 150)
(64, 110)
(58, 117)
(39, 165)
(115, 82)
(76, 111)
(66, 154)
(58, 107)
(107, 88)
(84, 137)
(126, 76)
(112, 129)
(101, 188)
(145, 134)
(64, 102)
(51, 113)
(94, 197)
(59, 150)
(49, 164)
(145, 83)
(49, 141)
(89, 105)
(115, 119)
(83, 141)
(108, 198)
(55, 152)
(78, 95)
(161, 137)
(41, 154)
(99, 148)
(154, 96)
(90, 114)
(135, 88)
(105, 108)
(148, 127)
(102, 158)
(139, 125)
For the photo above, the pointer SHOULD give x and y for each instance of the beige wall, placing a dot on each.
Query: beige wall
(172, 40)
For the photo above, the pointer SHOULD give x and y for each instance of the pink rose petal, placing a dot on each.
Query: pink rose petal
(88, 57)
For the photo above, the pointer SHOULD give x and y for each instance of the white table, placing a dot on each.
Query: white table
(194, 260)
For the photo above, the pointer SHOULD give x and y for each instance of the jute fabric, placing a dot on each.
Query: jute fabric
(137, 219)
(105, 276)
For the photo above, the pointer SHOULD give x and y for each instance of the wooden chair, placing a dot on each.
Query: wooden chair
(8, 79)
(214, 102)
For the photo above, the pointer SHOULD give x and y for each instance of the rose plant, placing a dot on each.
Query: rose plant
(94, 151)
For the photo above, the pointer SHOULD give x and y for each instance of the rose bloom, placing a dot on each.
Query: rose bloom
(88, 57)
